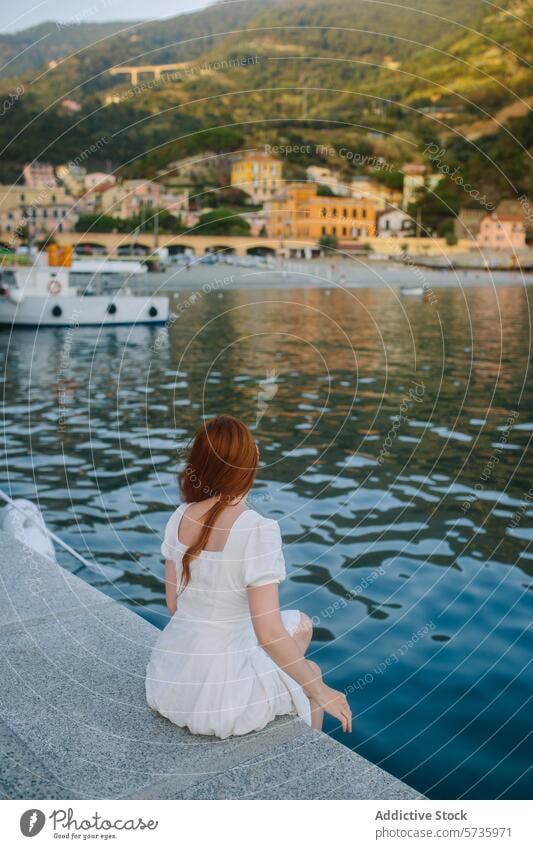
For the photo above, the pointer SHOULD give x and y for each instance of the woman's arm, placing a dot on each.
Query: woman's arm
(278, 643)
(171, 589)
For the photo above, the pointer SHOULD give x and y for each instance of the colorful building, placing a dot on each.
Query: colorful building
(395, 223)
(38, 175)
(503, 228)
(259, 175)
(298, 212)
(131, 197)
(72, 177)
(41, 210)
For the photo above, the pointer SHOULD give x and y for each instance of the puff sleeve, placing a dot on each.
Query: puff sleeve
(168, 546)
(263, 557)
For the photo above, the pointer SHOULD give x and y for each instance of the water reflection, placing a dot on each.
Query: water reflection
(405, 514)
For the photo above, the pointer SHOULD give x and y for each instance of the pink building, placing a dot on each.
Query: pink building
(503, 228)
(129, 198)
(38, 175)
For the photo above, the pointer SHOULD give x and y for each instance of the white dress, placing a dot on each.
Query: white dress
(207, 671)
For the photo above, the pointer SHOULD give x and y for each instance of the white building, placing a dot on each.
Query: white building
(98, 178)
(394, 223)
(326, 177)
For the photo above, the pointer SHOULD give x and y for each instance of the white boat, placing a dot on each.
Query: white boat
(412, 291)
(49, 296)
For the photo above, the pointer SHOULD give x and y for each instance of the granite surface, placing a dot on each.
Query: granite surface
(74, 722)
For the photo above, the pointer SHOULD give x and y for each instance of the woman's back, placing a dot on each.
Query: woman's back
(192, 520)
(248, 553)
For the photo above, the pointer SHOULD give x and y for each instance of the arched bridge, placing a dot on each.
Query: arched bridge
(117, 243)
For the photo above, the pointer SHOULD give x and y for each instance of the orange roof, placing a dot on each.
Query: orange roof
(509, 210)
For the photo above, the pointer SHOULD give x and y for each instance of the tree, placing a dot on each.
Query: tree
(222, 222)
(98, 223)
(229, 196)
(325, 191)
(328, 244)
(438, 208)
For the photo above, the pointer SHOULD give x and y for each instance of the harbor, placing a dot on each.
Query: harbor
(394, 433)
(271, 260)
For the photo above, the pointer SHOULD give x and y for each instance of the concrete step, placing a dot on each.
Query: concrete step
(74, 722)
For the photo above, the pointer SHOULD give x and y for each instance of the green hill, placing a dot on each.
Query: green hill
(384, 78)
(30, 49)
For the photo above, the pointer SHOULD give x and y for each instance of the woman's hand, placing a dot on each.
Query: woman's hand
(336, 704)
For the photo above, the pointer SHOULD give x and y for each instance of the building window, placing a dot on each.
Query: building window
(344, 231)
(334, 212)
(323, 231)
(363, 213)
(345, 213)
(333, 231)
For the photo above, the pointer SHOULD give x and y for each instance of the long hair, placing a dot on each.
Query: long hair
(222, 462)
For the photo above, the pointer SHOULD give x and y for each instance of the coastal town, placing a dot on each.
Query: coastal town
(190, 206)
(266, 501)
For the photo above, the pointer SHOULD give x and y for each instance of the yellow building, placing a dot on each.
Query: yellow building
(298, 212)
(259, 175)
(42, 211)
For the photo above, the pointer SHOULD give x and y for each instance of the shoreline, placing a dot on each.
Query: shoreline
(347, 275)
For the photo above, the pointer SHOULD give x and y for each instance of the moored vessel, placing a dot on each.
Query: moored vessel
(47, 294)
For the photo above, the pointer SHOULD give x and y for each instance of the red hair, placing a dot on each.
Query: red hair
(222, 462)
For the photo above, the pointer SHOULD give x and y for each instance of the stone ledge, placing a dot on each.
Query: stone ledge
(74, 722)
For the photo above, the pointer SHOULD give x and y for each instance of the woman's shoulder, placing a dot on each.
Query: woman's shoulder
(260, 531)
(176, 513)
(257, 520)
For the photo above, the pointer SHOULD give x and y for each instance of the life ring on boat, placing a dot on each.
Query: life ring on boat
(54, 286)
